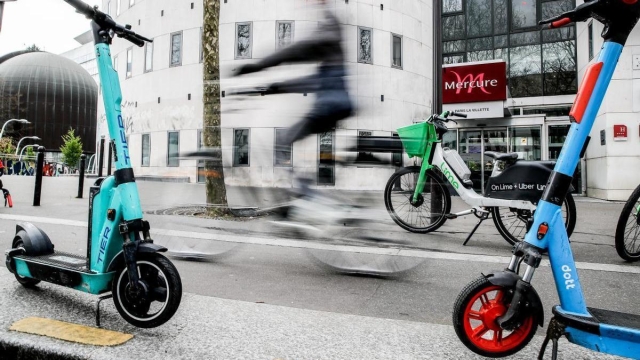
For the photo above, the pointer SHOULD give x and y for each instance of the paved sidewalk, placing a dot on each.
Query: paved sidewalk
(212, 328)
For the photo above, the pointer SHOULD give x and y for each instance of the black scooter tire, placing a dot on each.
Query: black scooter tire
(29, 283)
(621, 228)
(173, 291)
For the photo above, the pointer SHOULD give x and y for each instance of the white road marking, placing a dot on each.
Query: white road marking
(425, 254)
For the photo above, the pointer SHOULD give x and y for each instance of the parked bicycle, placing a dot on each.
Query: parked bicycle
(628, 229)
(419, 201)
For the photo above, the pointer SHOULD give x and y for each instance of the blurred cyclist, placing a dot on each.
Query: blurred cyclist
(332, 102)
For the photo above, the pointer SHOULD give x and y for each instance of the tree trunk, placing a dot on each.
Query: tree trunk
(216, 191)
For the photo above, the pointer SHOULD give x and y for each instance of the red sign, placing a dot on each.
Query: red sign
(619, 132)
(466, 83)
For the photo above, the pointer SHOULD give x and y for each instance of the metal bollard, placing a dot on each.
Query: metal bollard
(83, 159)
(110, 157)
(39, 166)
(101, 159)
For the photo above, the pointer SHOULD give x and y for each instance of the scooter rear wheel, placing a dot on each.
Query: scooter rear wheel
(475, 312)
(24, 281)
(164, 290)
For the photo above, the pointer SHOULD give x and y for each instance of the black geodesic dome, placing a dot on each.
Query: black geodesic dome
(53, 93)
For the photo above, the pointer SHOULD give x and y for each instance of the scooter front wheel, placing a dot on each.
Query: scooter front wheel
(162, 288)
(475, 312)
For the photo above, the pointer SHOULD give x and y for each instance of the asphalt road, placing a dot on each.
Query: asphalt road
(260, 263)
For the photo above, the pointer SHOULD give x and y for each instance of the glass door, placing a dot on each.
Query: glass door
(473, 144)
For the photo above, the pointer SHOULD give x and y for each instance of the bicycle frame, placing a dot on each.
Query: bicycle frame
(434, 158)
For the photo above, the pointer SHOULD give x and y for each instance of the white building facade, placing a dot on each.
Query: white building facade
(613, 162)
(162, 85)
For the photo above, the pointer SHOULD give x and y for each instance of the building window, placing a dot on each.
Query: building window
(396, 51)
(479, 18)
(148, 57)
(129, 62)
(282, 149)
(284, 33)
(450, 6)
(173, 152)
(453, 27)
(365, 45)
(326, 164)
(590, 40)
(241, 147)
(118, 7)
(243, 40)
(146, 149)
(526, 142)
(176, 49)
(523, 14)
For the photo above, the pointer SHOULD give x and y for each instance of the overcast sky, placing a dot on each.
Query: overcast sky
(50, 24)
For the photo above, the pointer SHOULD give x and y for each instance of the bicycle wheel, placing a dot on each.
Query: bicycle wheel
(428, 212)
(628, 229)
(512, 223)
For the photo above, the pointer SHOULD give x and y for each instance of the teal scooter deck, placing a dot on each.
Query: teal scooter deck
(70, 271)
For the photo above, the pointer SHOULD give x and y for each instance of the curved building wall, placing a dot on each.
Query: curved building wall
(406, 90)
(55, 94)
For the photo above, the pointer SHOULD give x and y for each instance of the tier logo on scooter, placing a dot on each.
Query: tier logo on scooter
(103, 243)
(449, 175)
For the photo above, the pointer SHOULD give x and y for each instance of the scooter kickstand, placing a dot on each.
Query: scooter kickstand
(103, 297)
(482, 217)
(554, 332)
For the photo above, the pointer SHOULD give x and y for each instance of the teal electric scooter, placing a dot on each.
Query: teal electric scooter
(121, 257)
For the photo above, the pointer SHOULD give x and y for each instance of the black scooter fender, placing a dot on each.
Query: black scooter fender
(142, 248)
(509, 279)
(35, 241)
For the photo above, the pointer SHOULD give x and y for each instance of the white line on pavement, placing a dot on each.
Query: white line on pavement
(426, 254)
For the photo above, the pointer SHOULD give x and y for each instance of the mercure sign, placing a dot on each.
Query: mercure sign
(474, 82)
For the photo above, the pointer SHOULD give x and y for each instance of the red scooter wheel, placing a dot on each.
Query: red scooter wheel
(475, 312)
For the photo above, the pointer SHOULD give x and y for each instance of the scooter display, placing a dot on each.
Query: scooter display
(121, 256)
(497, 314)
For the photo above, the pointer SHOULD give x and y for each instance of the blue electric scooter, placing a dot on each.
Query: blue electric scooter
(121, 257)
(497, 314)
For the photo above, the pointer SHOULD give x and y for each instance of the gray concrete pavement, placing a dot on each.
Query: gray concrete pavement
(213, 328)
(308, 311)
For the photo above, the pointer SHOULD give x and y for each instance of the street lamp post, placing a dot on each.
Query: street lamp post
(22, 121)
(26, 137)
(26, 146)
